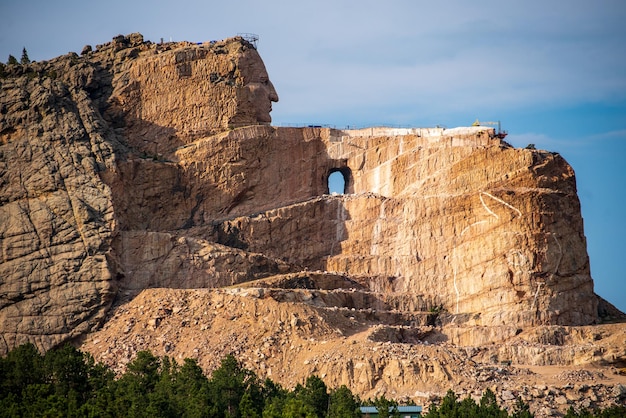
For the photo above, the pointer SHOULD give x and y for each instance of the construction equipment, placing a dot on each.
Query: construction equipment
(500, 133)
(253, 38)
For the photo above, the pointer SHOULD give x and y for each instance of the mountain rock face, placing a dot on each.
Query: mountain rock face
(147, 203)
(83, 136)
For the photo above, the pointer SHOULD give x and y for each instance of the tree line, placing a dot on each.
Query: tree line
(66, 382)
(12, 61)
(453, 407)
(24, 60)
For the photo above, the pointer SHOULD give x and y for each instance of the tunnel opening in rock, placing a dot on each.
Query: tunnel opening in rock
(338, 181)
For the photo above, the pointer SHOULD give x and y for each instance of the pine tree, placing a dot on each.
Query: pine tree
(132, 390)
(297, 408)
(343, 404)
(315, 394)
(23, 366)
(228, 385)
(247, 407)
(24, 60)
(386, 407)
(489, 405)
(12, 60)
(68, 370)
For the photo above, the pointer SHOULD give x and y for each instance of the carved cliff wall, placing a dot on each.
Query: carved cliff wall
(141, 166)
(484, 229)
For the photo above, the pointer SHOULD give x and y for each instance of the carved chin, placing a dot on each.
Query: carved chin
(264, 117)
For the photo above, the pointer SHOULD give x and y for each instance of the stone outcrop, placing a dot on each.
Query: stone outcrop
(56, 216)
(82, 143)
(147, 202)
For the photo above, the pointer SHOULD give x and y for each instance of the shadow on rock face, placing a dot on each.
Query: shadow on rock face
(171, 98)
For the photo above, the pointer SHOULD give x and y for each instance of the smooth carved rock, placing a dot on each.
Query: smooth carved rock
(485, 229)
(168, 98)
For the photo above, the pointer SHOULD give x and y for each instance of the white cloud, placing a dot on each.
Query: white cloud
(455, 58)
(404, 57)
(610, 135)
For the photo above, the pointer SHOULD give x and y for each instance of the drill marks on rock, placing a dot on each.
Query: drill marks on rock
(519, 262)
(553, 273)
(558, 262)
(340, 229)
(378, 231)
(455, 258)
(516, 258)
(340, 233)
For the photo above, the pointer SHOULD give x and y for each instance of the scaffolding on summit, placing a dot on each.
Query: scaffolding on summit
(500, 133)
(253, 38)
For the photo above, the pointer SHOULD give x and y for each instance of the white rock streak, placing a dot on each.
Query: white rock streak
(491, 213)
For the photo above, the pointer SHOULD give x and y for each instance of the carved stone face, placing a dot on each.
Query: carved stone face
(260, 92)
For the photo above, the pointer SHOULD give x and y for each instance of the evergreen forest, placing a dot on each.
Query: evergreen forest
(66, 382)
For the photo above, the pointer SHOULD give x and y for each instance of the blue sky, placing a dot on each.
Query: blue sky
(553, 72)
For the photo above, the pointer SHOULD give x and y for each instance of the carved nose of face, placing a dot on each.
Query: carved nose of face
(273, 95)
